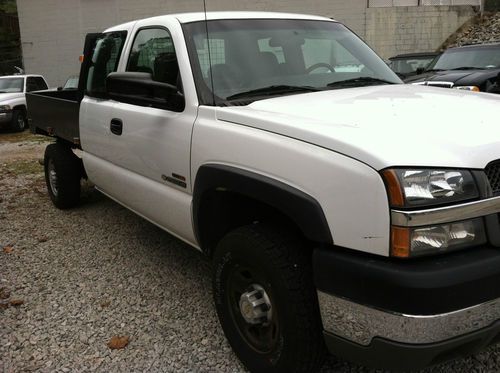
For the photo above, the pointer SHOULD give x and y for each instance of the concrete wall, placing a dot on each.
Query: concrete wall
(399, 30)
(52, 31)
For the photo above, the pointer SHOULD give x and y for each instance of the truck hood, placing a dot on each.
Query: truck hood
(5, 97)
(382, 126)
(457, 77)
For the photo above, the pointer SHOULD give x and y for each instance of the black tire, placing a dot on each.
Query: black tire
(63, 171)
(278, 268)
(19, 121)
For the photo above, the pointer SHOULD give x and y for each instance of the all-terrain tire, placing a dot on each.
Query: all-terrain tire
(278, 266)
(63, 171)
(19, 121)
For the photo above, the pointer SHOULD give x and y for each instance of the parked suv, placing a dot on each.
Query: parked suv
(473, 68)
(410, 64)
(13, 100)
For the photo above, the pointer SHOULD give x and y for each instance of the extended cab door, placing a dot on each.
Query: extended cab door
(139, 154)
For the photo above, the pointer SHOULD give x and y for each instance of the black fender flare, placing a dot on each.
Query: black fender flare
(301, 208)
(21, 107)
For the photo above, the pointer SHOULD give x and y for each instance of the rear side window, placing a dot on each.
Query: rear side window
(153, 52)
(40, 83)
(105, 59)
(35, 83)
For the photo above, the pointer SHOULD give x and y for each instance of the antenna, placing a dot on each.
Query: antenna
(209, 53)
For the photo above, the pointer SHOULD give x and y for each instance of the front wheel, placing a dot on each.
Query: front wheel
(63, 171)
(19, 121)
(266, 301)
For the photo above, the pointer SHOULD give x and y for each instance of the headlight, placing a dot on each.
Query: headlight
(411, 242)
(5, 108)
(429, 187)
(472, 88)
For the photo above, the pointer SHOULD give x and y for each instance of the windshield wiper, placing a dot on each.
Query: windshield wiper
(272, 90)
(358, 81)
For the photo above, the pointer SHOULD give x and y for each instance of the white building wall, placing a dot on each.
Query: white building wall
(53, 31)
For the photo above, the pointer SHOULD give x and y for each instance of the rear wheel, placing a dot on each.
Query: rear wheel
(266, 300)
(19, 121)
(63, 171)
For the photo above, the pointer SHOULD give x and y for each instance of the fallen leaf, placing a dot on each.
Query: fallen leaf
(118, 342)
(43, 239)
(4, 293)
(8, 249)
(16, 302)
(105, 304)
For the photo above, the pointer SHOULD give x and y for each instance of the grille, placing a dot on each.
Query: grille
(493, 174)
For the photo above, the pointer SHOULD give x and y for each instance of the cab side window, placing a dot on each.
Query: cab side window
(35, 84)
(105, 58)
(153, 52)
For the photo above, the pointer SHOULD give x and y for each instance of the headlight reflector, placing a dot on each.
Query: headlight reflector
(420, 187)
(472, 88)
(411, 242)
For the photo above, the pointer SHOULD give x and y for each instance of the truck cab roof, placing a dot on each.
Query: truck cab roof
(201, 16)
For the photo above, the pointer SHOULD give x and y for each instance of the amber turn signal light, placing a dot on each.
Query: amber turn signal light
(396, 197)
(400, 242)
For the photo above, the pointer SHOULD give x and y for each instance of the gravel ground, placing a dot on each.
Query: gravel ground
(71, 280)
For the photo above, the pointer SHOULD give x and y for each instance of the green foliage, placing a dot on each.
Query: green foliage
(10, 44)
(8, 6)
(492, 5)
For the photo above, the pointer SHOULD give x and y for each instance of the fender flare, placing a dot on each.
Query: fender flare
(301, 208)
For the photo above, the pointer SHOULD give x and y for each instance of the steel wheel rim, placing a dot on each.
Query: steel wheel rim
(20, 122)
(52, 176)
(263, 337)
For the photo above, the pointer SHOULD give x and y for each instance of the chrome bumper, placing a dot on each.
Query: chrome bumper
(360, 324)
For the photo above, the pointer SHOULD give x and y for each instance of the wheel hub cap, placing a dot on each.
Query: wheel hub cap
(255, 306)
(52, 177)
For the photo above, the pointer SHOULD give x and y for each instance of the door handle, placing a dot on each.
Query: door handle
(116, 126)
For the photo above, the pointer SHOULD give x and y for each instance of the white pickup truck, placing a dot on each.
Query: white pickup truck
(13, 100)
(342, 210)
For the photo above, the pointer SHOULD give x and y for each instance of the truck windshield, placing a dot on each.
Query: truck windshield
(468, 58)
(11, 85)
(247, 60)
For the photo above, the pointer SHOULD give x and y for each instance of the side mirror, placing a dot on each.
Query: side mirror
(420, 70)
(140, 89)
(59, 88)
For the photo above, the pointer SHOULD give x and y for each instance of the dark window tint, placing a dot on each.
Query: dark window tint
(40, 83)
(153, 52)
(105, 58)
(35, 84)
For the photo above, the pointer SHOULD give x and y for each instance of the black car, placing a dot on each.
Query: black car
(472, 67)
(410, 64)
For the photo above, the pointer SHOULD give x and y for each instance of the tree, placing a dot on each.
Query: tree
(10, 44)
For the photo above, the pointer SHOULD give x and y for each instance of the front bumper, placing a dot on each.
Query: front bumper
(406, 315)
(5, 118)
